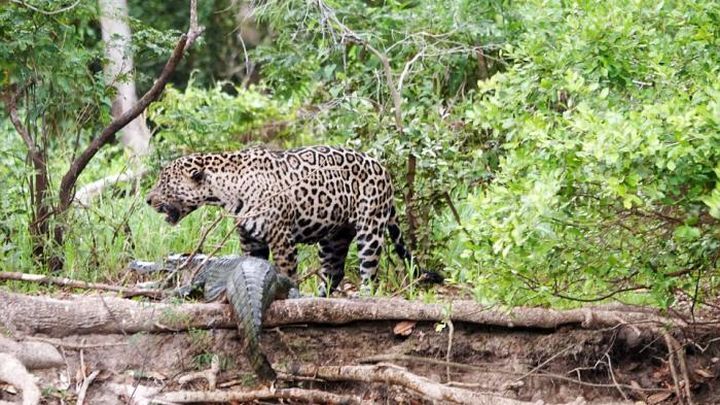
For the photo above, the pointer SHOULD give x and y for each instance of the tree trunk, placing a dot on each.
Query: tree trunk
(39, 182)
(42, 212)
(119, 72)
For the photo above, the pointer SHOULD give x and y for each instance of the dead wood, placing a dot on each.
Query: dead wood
(98, 314)
(14, 373)
(68, 282)
(94, 189)
(290, 394)
(146, 395)
(391, 374)
(82, 393)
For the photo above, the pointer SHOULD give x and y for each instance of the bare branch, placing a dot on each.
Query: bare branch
(397, 100)
(406, 70)
(67, 184)
(11, 107)
(58, 11)
(108, 134)
(67, 282)
(195, 30)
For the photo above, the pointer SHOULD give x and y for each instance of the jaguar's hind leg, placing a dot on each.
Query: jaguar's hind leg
(333, 252)
(369, 240)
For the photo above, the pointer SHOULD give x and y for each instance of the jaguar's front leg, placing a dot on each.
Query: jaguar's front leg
(284, 253)
(252, 246)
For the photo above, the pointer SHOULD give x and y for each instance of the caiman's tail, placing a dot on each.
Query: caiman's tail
(246, 295)
(250, 288)
(426, 276)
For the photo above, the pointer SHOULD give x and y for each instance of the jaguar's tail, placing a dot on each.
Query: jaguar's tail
(426, 276)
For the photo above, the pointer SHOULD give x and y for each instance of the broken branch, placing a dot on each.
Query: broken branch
(67, 282)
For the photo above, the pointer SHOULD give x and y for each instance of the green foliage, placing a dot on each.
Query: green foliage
(14, 204)
(59, 59)
(197, 119)
(608, 125)
(576, 142)
(218, 56)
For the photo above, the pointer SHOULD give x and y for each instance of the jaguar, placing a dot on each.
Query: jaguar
(280, 198)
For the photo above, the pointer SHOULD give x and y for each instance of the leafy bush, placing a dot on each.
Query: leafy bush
(608, 122)
(224, 117)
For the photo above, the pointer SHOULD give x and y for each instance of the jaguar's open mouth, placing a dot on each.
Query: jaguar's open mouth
(172, 214)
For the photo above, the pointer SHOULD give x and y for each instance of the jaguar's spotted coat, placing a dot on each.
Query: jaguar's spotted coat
(318, 194)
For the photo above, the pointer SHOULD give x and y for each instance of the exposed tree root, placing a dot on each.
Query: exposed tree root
(674, 349)
(492, 369)
(209, 375)
(81, 315)
(141, 395)
(72, 346)
(133, 394)
(292, 394)
(391, 374)
(85, 385)
(14, 373)
(33, 355)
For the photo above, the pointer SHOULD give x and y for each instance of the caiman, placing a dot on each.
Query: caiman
(250, 285)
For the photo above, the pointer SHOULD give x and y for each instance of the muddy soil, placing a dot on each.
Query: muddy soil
(556, 367)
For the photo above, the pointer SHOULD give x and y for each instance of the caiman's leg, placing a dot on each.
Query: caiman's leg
(333, 252)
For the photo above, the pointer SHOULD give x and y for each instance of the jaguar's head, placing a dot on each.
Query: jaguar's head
(181, 188)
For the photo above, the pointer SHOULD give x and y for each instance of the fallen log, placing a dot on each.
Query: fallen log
(103, 314)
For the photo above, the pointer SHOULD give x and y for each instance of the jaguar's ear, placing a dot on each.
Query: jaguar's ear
(195, 171)
(197, 175)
